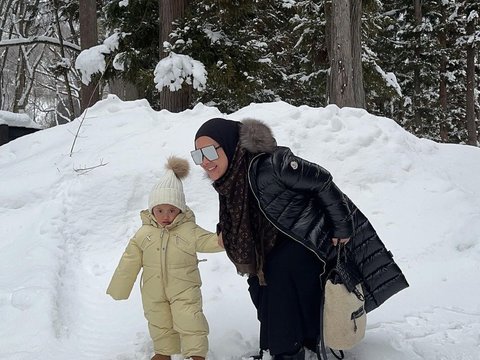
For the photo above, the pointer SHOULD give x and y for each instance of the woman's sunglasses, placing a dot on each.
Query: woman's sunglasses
(210, 152)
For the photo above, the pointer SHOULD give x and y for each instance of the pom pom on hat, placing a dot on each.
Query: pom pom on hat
(169, 190)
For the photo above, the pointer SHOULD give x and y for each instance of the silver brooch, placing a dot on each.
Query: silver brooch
(294, 165)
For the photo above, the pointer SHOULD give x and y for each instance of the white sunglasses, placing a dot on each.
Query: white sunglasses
(210, 152)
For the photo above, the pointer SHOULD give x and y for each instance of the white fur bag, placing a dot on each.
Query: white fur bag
(344, 316)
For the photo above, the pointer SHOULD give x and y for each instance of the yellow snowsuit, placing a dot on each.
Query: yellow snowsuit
(170, 283)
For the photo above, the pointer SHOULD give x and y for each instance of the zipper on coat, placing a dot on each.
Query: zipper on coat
(266, 216)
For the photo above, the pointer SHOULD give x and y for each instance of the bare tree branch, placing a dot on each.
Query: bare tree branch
(84, 170)
(39, 40)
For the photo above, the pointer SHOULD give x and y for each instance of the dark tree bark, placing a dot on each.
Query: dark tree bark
(345, 85)
(71, 106)
(89, 94)
(27, 58)
(171, 10)
(442, 38)
(356, 31)
(124, 89)
(20, 79)
(416, 71)
(470, 114)
(20, 82)
(3, 53)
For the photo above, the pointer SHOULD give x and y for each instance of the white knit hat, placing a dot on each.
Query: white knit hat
(169, 190)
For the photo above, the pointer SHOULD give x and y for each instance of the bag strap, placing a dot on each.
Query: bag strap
(337, 264)
(341, 247)
(340, 355)
(321, 352)
(321, 349)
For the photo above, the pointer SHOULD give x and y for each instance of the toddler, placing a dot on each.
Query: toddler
(166, 247)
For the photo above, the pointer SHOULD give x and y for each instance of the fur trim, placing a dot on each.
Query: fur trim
(179, 166)
(256, 137)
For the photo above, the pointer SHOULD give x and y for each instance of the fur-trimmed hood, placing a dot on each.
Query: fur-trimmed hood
(256, 137)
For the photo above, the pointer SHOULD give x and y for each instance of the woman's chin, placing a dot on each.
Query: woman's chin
(213, 176)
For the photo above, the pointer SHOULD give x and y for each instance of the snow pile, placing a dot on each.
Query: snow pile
(64, 222)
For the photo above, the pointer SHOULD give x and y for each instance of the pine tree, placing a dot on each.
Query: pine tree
(428, 59)
(256, 52)
(140, 48)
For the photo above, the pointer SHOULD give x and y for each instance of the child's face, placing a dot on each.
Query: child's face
(165, 214)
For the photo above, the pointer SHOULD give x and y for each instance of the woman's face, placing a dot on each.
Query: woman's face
(215, 169)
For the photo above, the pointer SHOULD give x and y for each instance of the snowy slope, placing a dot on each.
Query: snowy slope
(65, 220)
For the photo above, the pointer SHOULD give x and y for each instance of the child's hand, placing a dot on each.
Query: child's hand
(220, 240)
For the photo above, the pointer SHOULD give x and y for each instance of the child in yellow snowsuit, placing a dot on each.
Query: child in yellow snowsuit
(166, 248)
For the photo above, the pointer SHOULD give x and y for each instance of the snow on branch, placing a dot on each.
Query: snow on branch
(16, 119)
(38, 40)
(390, 79)
(473, 15)
(92, 60)
(176, 69)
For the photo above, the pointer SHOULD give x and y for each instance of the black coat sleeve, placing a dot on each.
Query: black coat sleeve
(301, 175)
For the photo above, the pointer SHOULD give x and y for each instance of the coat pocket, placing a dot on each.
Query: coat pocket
(188, 247)
(147, 242)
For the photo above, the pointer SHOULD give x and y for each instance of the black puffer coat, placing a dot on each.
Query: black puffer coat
(301, 200)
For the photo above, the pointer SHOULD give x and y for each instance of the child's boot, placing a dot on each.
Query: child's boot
(197, 358)
(160, 357)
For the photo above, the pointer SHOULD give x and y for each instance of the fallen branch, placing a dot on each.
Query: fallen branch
(84, 170)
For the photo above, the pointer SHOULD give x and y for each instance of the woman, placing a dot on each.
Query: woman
(280, 218)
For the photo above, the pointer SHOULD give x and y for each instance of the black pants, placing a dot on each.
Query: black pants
(288, 307)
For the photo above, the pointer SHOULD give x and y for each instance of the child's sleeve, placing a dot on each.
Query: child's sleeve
(126, 272)
(206, 241)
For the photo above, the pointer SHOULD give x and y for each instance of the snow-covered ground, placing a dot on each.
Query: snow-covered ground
(65, 220)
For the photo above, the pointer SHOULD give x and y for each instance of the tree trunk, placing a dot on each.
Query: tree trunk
(5, 8)
(124, 89)
(18, 104)
(417, 64)
(356, 31)
(89, 94)
(20, 78)
(345, 85)
(442, 39)
(71, 106)
(341, 67)
(471, 124)
(171, 10)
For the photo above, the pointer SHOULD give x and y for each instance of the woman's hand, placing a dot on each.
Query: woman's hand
(337, 241)
(220, 240)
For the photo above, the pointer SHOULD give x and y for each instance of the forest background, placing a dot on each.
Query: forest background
(414, 61)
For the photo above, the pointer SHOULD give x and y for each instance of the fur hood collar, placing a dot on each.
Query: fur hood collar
(256, 137)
